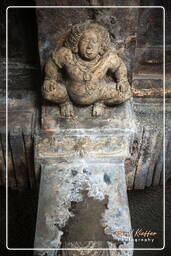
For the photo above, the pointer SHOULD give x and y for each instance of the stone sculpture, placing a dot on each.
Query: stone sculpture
(85, 71)
(83, 197)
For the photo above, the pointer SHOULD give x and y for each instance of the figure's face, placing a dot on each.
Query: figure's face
(89, 45)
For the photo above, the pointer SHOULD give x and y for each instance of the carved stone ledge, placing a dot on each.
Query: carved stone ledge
(119, 118)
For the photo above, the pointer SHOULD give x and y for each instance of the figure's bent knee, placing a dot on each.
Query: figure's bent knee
(54, 91)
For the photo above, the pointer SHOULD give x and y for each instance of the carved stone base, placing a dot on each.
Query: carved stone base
(83, 195)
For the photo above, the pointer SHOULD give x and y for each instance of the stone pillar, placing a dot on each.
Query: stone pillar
(83, 196)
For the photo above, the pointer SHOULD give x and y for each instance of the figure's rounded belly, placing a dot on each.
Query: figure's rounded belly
(83, 93)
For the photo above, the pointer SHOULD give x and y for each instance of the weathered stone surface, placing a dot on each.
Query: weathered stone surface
(19, 161)
(151, 122)
(85, 71)
(145, 164)
(149, 76)
(150, 25)
(52, 147)
(21, 171)
(147, 58)
(155, 23)
(121, 23)
(50, 29)
(21, 75)
(11, 174)
(167, 154)
(21, 112)
(53, 122)
(158, 173)
(149, 160)
(22, 124)
(82, 161)
(23, 49)
(2, 165)
(151, 93)
(148, 69)
(63, 184)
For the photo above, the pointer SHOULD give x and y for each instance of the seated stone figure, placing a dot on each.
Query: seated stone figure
(85, 71)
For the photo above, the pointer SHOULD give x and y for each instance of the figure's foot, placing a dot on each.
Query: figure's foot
(67, 109)
(98, 109)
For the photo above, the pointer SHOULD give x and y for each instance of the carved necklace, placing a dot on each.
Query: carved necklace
(87, 67)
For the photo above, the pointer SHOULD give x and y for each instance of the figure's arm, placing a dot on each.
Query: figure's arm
(121, 76)
(120, 71)
(53, 89)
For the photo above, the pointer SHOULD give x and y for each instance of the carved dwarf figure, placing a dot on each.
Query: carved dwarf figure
(85, 71)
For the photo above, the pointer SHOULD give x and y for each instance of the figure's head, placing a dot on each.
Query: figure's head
(89, 40)
(89, 45)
